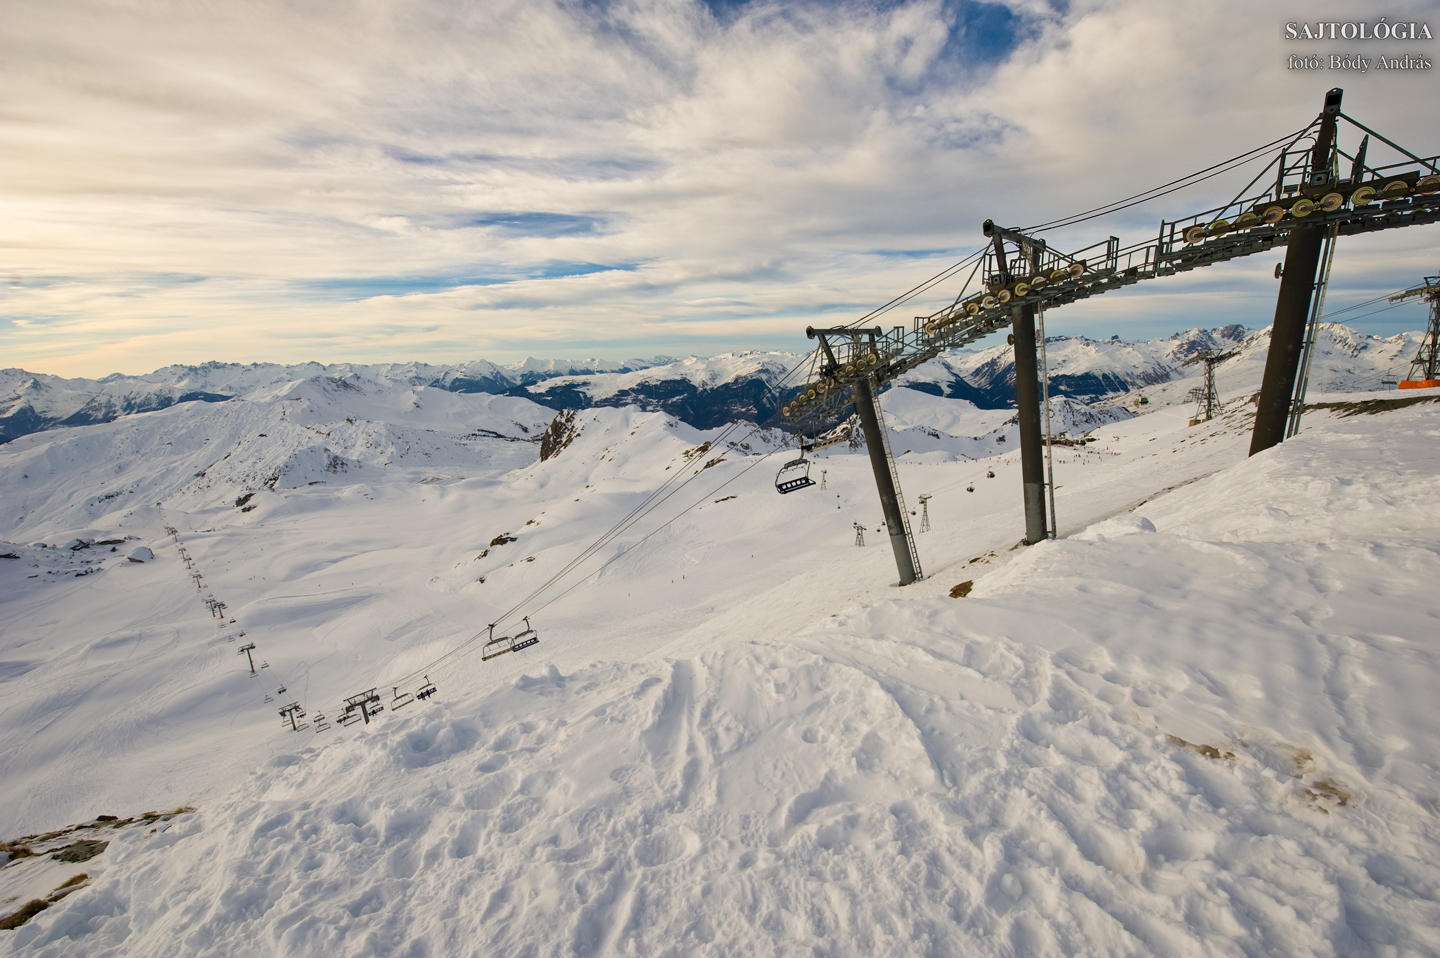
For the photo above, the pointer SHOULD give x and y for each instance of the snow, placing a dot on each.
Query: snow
(1199, 723)
(1344, 361)
(700, 372)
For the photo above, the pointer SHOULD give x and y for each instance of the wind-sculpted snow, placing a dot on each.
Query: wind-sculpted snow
(1201, 723)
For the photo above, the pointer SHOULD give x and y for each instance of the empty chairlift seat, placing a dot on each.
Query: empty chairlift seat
(794, 475)
(499, 645)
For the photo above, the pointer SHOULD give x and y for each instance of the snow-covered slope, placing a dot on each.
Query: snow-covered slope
(30, 402)
(1081, 368)
(1343, 361)
(203, 455)
(1199, 723)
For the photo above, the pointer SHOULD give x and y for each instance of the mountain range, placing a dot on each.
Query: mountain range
(703, 392)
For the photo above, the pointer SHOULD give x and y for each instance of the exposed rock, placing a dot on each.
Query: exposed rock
(81, 851)
(559, 434)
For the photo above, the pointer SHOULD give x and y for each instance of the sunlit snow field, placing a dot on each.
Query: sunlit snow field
(1202, 722)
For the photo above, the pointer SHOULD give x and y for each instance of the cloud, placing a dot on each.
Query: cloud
(408, 178)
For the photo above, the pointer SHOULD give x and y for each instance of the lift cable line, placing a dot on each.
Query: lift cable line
(1309, 200)
(651, 502)
(648, 505)
(927, 285)
(1174, 185)
(488, 633)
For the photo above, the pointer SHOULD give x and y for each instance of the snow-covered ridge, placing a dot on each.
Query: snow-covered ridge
(710, 391)
(30, 402)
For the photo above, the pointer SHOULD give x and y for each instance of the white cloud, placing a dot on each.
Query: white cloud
(398, 179)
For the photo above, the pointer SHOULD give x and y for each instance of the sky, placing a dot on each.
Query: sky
(441, 180)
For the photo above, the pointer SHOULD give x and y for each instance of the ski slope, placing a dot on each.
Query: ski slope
(1199, 723)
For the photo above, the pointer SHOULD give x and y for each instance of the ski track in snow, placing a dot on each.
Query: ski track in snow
(1200, 723)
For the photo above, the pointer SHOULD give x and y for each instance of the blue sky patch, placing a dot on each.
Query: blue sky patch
(538, 224)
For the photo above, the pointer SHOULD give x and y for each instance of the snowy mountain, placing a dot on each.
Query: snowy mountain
(704, 392)
(1081, 368)
(31, 402)
(1343, 361)
(1198, 723)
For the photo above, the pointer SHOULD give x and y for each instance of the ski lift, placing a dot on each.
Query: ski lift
(496, 646)
(427, 691)
(526, 638)
(264, 665)
(280, 690)
(990, 474)
(400, 701)
(321, 723)
(798, 471)
(268, 697)
(970, 488)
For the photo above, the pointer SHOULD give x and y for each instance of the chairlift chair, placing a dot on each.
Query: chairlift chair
(427, 691)
(970, 488)
(990, 474)
(400, 701)
(526, 638)
(497, 645)
(798, 471)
